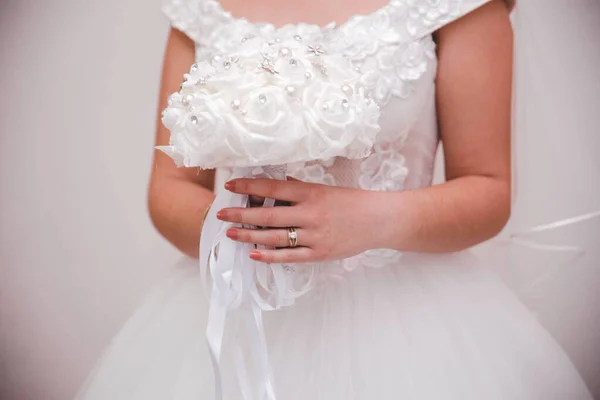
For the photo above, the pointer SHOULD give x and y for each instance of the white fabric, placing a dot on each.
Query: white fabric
(381, 325)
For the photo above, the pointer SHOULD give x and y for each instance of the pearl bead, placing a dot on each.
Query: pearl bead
(235, 104)
(284, 52)
(298, 38)
(243, 111)
(347, 90)
(186, 100)
(216, 58)
(290, 90)
(307, 75)
(262, 99)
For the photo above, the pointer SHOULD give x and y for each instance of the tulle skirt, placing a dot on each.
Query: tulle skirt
(433, 327)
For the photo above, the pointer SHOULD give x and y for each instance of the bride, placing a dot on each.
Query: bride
(398, 307)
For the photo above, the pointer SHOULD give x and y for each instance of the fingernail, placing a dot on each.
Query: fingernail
(233, 234)
(222, 214)
(255, 254)
(230, 185)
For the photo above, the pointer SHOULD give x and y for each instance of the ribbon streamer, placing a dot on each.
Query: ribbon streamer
(242, 284)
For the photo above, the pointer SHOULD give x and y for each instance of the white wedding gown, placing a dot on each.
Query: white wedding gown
(382, 325)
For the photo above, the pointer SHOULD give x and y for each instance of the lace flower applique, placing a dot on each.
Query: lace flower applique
(384, 170)
(426, 15)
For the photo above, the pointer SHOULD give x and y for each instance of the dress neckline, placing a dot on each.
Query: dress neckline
(331, 25)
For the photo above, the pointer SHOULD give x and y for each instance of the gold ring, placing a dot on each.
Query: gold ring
(293, 237)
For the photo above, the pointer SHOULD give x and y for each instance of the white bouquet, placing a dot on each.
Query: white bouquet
(268, 104)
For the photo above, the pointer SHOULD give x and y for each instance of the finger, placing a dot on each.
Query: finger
(287, 255)
(276, 217)
(271, 188)
(277, 238)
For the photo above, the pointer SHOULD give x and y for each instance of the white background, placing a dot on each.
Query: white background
(78, 87)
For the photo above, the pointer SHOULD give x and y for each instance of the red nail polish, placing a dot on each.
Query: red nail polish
(230, 185)
(222, 214)
(255, 254)
(233, 234)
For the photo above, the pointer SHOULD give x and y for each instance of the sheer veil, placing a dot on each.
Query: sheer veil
(549, 253)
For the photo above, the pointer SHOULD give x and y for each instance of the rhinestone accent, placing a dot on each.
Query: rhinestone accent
(268, 65)
(262, 99)
(316, 50)
(194, 119)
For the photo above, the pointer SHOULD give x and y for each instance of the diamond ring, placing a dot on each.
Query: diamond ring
(293, 237)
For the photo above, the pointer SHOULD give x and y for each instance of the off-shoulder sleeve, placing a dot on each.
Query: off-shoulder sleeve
(196, 18)
(427, 16)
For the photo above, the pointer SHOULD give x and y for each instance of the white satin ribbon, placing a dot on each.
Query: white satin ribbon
(240, 283)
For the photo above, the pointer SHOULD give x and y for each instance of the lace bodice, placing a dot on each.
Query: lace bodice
(394, 51)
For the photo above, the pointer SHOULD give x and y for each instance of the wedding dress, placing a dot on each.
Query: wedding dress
(380, 325)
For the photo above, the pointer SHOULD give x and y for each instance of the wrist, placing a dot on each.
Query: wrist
(382, 220)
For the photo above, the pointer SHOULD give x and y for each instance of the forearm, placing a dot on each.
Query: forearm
(179, 217)
(444, 218)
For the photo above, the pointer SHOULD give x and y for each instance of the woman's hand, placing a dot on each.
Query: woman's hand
(331, 222)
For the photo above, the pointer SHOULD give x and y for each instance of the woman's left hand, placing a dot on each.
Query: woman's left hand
(331, 222)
